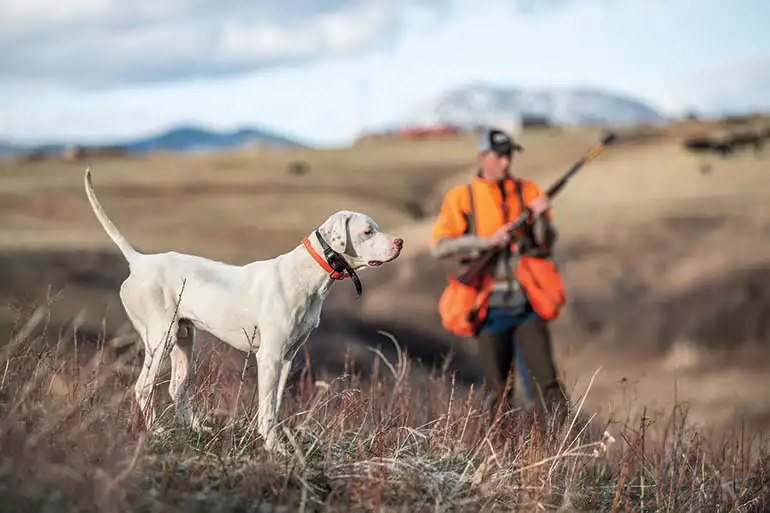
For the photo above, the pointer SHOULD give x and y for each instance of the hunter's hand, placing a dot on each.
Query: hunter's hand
(539, 205)
(501, 237)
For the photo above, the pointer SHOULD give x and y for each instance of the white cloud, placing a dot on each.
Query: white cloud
(104, 43)
(739, 86)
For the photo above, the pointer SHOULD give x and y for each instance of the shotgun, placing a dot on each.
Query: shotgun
(478, 265)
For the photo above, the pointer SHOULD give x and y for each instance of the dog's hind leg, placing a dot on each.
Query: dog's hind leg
(145, 383)
(148, 319)
(183, 374)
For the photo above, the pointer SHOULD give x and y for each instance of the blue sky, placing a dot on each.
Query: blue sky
(323, 69)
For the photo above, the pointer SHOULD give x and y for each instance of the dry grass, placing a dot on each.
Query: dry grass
(70, 441)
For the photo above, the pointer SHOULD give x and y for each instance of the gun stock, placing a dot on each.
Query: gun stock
(479, 265)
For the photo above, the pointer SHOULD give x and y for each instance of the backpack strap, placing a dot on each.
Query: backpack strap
(472, 213)
(473, 314)
(527, 239)
(519, 193)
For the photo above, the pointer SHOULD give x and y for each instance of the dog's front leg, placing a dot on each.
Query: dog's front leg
(286, 370)
(269, 364)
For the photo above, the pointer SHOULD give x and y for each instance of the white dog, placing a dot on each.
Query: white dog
(269, 307)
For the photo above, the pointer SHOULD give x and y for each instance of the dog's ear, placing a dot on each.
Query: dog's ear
(335, 231)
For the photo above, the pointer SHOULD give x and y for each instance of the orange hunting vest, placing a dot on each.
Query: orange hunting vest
(488, 205)
(463, 308)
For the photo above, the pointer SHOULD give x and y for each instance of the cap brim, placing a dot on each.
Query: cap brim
(515, 148)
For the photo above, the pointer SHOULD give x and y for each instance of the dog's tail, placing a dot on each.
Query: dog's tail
(128, 251)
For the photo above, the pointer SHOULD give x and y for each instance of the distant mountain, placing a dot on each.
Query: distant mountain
(182, 139)
(483, 103)
(197, 139)
(7, 148)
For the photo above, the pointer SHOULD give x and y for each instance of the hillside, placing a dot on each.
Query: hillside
(252, 208)
(665, 335)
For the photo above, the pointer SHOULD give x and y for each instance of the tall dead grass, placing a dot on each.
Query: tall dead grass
(70, 441)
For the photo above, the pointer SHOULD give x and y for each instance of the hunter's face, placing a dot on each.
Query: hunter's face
(494, 165)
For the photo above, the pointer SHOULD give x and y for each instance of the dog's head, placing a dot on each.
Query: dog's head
(358, 240)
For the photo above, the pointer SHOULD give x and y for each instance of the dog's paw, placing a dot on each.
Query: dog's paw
(277, 447)
(274, 445)
(158, 430)
(201, 429)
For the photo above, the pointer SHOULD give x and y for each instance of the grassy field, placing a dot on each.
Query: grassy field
(377, 442)
(664, 343)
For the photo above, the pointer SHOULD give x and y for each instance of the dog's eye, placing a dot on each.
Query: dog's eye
(368, 232)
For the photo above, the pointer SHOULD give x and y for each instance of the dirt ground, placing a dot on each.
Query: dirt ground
(667, 267)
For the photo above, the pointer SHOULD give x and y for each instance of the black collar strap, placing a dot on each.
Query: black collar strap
(339, 266)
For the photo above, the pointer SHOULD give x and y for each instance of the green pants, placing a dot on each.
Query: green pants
(497, 352)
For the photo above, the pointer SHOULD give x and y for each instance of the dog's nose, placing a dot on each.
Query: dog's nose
(398, 243)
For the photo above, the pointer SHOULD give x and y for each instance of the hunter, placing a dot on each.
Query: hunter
(476, 217)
